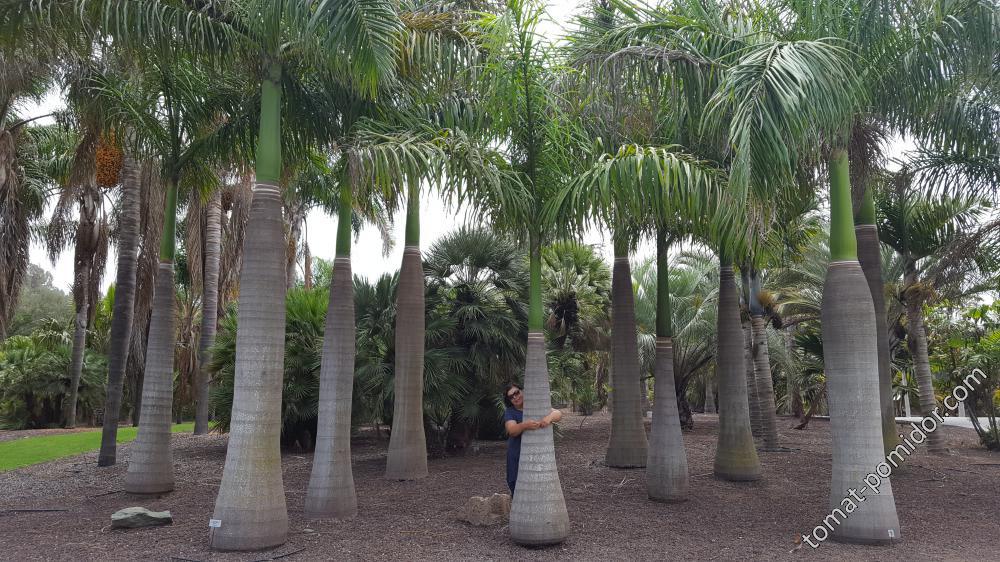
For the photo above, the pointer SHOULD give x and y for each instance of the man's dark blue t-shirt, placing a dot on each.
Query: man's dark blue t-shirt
(513, 446)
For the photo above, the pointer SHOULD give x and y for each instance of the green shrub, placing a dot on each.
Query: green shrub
(35, 381)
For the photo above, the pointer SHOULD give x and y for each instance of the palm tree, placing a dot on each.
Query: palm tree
(209, 305)
(918, 228)
(413, 138)
(30, 52)
(165, 103)
(666, 473)
(272, 37)
(89, 236)
(627, 446)
(331, 484)
(122, 316)
(519, 99)
(907, 69)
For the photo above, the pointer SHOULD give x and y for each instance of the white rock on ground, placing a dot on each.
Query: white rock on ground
(134, 517)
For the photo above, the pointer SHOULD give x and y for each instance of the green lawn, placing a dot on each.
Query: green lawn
(33, 450)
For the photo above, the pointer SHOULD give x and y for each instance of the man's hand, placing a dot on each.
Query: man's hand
(544, 423)
(530, 424)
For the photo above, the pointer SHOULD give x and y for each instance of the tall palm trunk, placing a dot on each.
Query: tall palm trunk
(407, 458)
(851, 362)
(766, 411)
(538, 513)
(331, 484)
(209, 307)
(916, 339)
(251, 502)
(869, 255)
(122, 314)
(748, 363)
(79, 346)
(627, 447)
(666, 465)
(151, 467)
(735, 456)
(87, 239)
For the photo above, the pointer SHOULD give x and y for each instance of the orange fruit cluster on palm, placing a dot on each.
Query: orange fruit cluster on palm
(108, 161)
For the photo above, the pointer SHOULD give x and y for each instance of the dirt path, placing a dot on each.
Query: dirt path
(947, 506)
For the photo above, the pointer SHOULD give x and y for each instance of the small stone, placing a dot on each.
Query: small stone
(135, 517)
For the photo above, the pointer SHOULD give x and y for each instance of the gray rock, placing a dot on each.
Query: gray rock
(135, 517)
(486, 511)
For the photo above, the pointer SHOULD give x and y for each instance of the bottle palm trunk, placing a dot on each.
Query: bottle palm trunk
(407, 458)
(851, 362)
(869, 255)
(122, 313)
(209, 308)
(627, 447)
(666, 464)
(150, 466)
(916, 339)
(251, 506)
(735, 457)
(331, 492)
(538, 512)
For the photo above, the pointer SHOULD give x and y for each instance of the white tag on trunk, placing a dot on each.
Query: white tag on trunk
(215, 523)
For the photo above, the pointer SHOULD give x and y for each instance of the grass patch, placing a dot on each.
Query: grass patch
(33, 450)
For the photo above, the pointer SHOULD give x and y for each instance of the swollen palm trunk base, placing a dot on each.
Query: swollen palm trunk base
(627, 446)
(331, 491)
(666, 466)
(407, 458)
(538, 513)
(150, 466)
(250, 506)
(851, 361)
(735, 457)
(871, 264)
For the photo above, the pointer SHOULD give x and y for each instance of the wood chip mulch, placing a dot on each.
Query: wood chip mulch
(948, 508)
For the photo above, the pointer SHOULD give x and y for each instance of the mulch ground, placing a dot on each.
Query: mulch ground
(947, 506)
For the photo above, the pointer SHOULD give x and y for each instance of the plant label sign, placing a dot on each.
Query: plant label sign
(215, 523)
